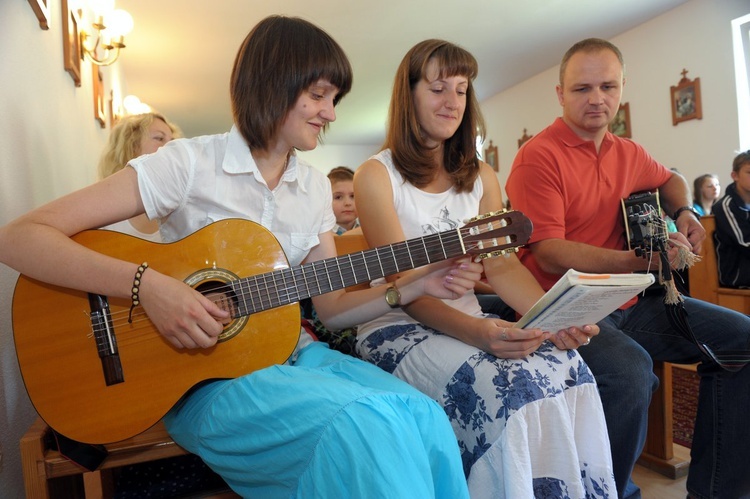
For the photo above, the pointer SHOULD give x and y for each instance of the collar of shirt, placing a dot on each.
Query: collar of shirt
(238, 159)
(571, 139)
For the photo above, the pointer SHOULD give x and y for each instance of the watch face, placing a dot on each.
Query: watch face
(392, 297)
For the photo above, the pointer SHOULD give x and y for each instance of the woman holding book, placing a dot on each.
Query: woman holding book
(519, 400)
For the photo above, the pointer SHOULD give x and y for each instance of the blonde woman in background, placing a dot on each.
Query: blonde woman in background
(134, 136)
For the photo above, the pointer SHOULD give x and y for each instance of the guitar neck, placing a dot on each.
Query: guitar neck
(281, 287)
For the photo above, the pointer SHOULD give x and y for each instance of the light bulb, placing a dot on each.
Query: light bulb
(119, 23)
(133, 105)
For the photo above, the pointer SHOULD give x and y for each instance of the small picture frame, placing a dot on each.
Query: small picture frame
(686, 99)
(113, 114)
(491, 157)
(71, 43)
(41, 9)
(620, 124)
(524, 138)
(99, 111)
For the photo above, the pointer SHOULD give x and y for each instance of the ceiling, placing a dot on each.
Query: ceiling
(180, 53)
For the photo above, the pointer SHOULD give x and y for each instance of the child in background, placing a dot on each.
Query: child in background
(342, 185)
(732, 234)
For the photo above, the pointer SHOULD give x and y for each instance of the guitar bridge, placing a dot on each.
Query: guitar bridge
(106, 341)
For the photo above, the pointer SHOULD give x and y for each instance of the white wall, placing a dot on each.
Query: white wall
(49, 146)
(695, 36)
(325, 157)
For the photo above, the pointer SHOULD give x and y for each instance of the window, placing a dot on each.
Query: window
(741, 40)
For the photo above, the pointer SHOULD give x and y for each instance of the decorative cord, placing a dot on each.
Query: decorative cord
(136, 289)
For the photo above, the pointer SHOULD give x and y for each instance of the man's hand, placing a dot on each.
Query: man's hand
(688, 225)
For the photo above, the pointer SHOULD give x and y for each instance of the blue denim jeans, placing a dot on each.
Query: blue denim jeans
(620, 358)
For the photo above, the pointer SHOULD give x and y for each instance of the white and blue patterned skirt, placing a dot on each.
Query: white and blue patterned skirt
(532, 427)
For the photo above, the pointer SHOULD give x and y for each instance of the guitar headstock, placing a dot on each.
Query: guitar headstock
(645, 228)
(496, 233)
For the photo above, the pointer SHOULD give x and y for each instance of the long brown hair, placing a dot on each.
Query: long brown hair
(278, 60)
(412, 156)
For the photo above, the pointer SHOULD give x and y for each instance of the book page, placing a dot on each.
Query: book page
(578, 299)
(581, 305)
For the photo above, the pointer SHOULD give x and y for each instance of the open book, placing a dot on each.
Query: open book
(578, 299)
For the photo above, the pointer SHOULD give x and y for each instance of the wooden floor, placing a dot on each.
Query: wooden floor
(656, 486)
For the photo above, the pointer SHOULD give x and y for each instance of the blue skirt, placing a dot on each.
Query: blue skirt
(326, 425)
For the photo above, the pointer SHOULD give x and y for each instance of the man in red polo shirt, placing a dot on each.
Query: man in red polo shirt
(569, 179)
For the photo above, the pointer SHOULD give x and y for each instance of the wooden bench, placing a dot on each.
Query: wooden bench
(49, 475)
(704, 276)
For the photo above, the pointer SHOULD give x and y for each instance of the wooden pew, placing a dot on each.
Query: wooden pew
(704, 276)
(49, 475)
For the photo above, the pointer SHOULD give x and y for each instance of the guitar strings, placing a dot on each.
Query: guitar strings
(304, 276)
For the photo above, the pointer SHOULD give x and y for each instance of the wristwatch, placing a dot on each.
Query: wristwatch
(684, 208)
(393, 296)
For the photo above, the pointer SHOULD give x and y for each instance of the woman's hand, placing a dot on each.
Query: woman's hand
(574, 337)
(452, 279)
(185, 317)
(503, 340)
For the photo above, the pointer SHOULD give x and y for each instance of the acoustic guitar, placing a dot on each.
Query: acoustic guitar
(97, 377)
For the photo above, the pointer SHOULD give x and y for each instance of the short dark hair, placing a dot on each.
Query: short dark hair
(589, 45)
(741, 159)
(278, 60)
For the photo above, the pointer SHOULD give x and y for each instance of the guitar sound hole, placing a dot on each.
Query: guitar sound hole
(222, 295)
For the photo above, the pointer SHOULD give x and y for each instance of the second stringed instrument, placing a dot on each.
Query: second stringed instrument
(647, 234)
(96, 377)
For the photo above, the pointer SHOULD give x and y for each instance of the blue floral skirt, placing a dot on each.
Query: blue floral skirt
(532, 427)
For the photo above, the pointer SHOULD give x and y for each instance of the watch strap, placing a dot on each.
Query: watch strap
(684, 208)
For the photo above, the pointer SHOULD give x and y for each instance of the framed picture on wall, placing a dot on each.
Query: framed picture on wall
(524, 138)
(686, 100)
(99, 111)
(41, 9)
(71, 43)
(620, 125)
(491, 157)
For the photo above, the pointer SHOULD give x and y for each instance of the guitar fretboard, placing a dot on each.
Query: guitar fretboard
(281, 287)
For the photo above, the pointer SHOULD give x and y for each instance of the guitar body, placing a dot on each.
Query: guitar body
(59, 357)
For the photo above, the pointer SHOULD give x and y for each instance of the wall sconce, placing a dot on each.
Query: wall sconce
(102, 38)
(133, 105)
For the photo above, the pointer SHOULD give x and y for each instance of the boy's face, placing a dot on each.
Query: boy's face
(343, 202)
(742, 180)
